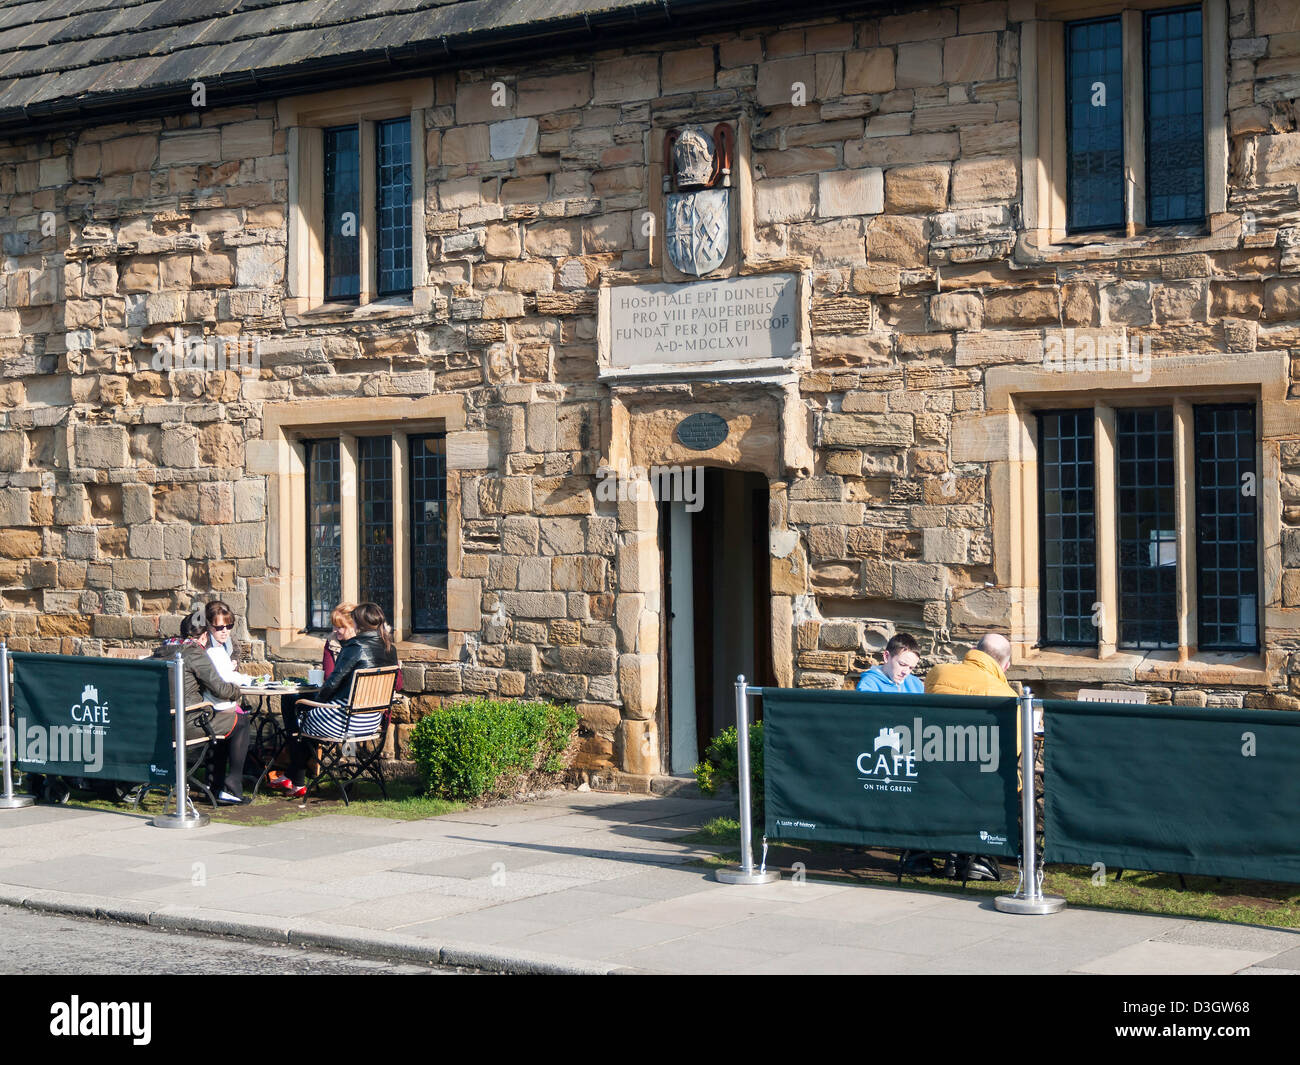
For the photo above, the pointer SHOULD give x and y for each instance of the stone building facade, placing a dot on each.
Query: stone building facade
(901, 168)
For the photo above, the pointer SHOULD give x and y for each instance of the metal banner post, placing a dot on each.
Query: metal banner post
(184, 815)
(1029, 897)
(746, 874)
(9, 801)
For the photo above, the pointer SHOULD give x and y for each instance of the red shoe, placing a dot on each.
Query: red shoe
(298, 793)
(282, 783)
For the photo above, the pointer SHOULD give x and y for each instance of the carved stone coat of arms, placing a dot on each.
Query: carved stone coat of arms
(697, 184)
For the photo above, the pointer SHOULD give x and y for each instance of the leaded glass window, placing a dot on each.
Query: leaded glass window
(393, 203)
(1175, 133)
(342, 213)
(1227, 603)
(1148, 539)
(375, 521)
(324, 532)
(1068, 527)
(428, 462)
(1095, 125)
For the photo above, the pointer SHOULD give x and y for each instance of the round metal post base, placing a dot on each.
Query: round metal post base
(739, 876)
(194, 820)
(1044, 904)
(17, 802)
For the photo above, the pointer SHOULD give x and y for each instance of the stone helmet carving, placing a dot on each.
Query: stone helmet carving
(694, 158)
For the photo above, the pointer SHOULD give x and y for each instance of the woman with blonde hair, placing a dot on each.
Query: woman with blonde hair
(344, 629)
(372, 645)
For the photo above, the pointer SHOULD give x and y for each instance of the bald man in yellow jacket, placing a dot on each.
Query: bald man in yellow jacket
(982, 672)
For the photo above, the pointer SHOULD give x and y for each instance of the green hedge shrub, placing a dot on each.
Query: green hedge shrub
(484, 747)
(721, 766)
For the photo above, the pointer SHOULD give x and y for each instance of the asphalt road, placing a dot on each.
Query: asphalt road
(48, 944)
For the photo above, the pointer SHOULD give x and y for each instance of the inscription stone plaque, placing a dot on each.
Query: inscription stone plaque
(732, 319)
(702, 432)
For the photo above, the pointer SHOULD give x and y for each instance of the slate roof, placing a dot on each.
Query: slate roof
(68, 62)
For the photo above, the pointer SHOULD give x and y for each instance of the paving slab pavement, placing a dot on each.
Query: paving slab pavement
(572, 883)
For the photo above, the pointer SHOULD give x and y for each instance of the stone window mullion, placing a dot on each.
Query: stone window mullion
(366, 224)
(349, 515)
(1185, 487)
(401, 619)
(1135, 162)
(1107, 529)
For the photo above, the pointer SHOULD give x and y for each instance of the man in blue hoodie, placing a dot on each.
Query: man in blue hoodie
(894, 674)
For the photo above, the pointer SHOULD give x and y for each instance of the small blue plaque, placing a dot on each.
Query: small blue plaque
(702, 432)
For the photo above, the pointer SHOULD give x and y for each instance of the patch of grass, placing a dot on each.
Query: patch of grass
(404, 803)
(720, 830)
(264, 810)
(1235, 901)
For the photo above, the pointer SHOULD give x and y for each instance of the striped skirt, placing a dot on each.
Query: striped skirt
(327, 722)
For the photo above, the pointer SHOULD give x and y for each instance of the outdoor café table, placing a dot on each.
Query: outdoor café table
(268, 730)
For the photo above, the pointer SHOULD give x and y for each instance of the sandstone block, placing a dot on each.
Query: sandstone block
(980, 181)
(137, 504)
(627, 78)
(956, 310)
(850, 192)
(463, 605)
(189, 146)
(126, 155)
(901, 150)
(246, 140)
(221, 444)
(13, 450)
(779, 81)
(917, 581)
(870, 71)
(898, 239)
(259, 266)
(916, 189)
(638, 685)
(505, 495)
(1126, 303)
(1031, 306)
(973, 57)
(687, 70)
(919, 64)
(873, 430)
(534, 604)
(100, 446)
(636, 747)
(784, 199)
(519, 535)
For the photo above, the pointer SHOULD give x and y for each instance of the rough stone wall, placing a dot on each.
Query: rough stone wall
(894, 181)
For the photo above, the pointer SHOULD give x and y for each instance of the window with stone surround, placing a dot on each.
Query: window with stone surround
(376, 520)
(356, 197)
(1124, 119)
(1148, 525)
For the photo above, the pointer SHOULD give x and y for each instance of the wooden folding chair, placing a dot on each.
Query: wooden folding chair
(372, 691)
(198, 756)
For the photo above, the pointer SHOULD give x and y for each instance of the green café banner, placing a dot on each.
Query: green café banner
(919, 772)
(1173, 789)
(103, 718)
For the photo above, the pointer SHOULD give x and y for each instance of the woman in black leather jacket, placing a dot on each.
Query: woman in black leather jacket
(371, 646)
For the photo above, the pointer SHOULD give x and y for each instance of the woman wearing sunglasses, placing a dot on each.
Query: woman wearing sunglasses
(221, 645)
(224, 654)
